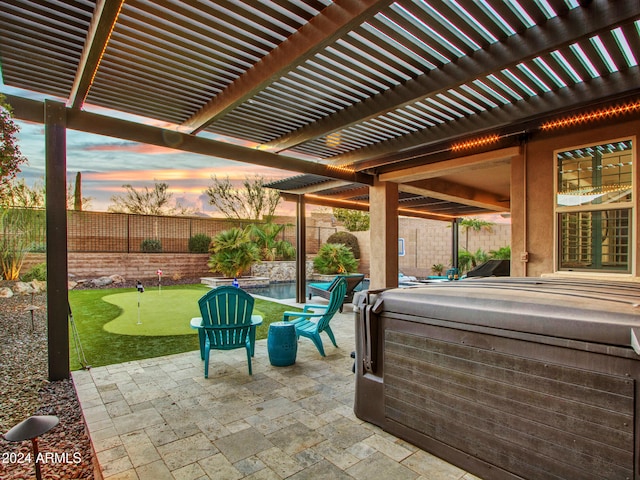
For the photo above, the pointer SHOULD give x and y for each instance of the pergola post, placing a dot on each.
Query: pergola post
(455, 242)
(56, 221)
(301, 249)
(383, 210)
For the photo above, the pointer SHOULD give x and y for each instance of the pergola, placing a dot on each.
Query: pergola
(410, 107)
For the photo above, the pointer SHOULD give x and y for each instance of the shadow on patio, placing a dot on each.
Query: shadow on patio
(161, 419)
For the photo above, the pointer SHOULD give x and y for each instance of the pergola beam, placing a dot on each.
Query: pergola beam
(452, 167)
(325, 28)
(452, 192)
(509, 120)
(319, 187)
(558, 32)
(102, 24)
(33, 111)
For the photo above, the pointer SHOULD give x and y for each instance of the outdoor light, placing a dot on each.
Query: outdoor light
(31, 429)
(341, 168)
(588, 117)
(475, 143)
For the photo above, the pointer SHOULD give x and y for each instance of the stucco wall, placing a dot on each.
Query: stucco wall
(532, 190)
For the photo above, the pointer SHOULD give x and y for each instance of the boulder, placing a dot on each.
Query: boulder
(101, 282)
(39, 286)
(23, 288)
(6, 292)
(117, 279)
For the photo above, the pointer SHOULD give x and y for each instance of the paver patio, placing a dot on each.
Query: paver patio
(161, 419)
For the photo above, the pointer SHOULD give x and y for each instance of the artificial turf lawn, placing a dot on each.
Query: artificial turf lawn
(109, 332)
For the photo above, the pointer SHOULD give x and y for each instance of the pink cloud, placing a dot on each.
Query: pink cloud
(132, 148)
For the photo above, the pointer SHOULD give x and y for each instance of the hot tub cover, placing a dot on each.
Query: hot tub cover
(575, 310)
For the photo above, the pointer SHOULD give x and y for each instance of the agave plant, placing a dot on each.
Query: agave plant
(233, 252)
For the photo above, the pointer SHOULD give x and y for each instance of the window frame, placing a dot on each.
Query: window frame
(630, 206)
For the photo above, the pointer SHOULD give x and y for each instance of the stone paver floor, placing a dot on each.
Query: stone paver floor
(161, 419)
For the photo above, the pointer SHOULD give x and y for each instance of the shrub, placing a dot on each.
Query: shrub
(437, 268)
(199, 243)
(37, 272)
(353, 220)
(151, 245)
(468, 261)
(503, 253)
(233, 252)
(335, 258)
(265, 237)
(348, 239)
(38, 247)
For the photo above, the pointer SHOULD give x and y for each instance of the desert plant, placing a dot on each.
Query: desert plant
(468, 261)
(233, 252)
(437, 268)
(199, 243)
(348, 239)
(151, 245)
(265, 235)
(503, 253)
(335, 258)
(19, 228)
(37, 272)
(353, 220)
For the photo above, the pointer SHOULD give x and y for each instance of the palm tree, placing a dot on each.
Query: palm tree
(233, 252)
(476, 225)
(265, 236)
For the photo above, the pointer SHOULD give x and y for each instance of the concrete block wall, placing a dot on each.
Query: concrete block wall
(135, 266)
(428, 242)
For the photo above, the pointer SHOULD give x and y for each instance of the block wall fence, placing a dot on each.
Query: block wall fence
(427, 242)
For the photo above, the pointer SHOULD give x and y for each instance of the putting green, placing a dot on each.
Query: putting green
(163, 313)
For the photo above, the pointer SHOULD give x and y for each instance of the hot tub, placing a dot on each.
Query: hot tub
(506, 378)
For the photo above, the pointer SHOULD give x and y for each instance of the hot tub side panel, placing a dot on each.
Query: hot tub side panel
(502, 404)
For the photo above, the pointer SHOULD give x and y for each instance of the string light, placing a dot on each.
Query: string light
(475, 143)
(589, 117)
(104, 48)
(344, 168)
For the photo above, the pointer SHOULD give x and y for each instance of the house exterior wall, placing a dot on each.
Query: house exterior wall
(533, 197)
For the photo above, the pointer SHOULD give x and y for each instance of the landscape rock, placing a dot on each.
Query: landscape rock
(117, 279)
(39, 286)
(6, 292)
(23, 288)
(101, 282)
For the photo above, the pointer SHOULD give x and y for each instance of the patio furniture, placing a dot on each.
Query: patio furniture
(282, 344)
(324, 289)
(227, 323)
(311, 323)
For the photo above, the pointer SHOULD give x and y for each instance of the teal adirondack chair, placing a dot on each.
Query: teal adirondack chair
(227, 323)
(310, 324)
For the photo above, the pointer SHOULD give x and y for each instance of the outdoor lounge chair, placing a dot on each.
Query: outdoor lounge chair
(324, 289)
(227, 323)
(311, 323)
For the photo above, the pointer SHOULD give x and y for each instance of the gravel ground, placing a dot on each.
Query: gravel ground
(25, 391)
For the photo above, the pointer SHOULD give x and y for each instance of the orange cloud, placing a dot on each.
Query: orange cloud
(132, 148)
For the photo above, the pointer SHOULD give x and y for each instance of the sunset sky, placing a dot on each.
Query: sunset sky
(108, 163)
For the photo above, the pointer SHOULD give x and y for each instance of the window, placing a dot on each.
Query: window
(594, 206)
